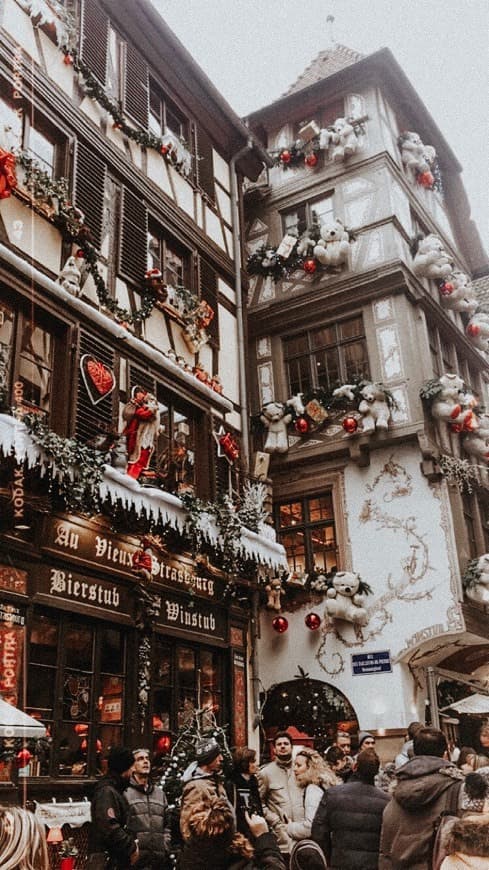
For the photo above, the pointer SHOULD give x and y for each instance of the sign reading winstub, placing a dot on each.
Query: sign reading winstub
(195, 615)
(371, 663)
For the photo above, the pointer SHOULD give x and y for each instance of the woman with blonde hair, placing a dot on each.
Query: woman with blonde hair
(313, 776)
(22, 840)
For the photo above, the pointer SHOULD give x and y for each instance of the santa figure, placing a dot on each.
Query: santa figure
(142, 418)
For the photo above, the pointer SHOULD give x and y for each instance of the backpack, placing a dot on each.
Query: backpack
(441, 829)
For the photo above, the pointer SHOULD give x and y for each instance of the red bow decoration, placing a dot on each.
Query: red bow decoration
(8, 178)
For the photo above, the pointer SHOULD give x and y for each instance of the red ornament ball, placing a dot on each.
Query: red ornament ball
(350, 425)
(473, 330)
(80, 254)
(309, 266)
(313, 621)
(426, 179)
(311, 160)
(301, 425)
(280, 624)
(446, 288)
(285, 156)
(164, 150)
(68, 60)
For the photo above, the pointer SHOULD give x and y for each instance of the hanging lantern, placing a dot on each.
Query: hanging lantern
(68, 59)
(301, 425)
(280, 624)
(55, 835)
(473, 330)
(350, 425)
(311, 160)
(80, 728)
(164, 150)
(285, 156)
(313, 621)
(310, 266)
(229, 447)
(163, 745)
(446, 288)
(425, 179)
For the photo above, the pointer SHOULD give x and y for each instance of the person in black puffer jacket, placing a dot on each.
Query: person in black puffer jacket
(148, 817)
(348, 820)
(215, 843)
(107, 834)
(242, 788)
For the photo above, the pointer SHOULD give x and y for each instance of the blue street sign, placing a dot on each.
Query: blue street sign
(371, 663)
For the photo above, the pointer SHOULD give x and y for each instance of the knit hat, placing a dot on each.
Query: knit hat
(363, 735)
(120, 759)
(207, 750)
(307, 855)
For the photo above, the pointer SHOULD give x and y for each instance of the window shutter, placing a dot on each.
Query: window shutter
(139, 378)
(205, 163)
(136, 87)
(89, 190)
(133, 260)
(94, 42)
(90, 418)
(208, 291)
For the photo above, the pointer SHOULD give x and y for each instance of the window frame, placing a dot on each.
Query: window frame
(339, 344)
(307, 526)
(305, 213)
(168, 242)
(167, 104)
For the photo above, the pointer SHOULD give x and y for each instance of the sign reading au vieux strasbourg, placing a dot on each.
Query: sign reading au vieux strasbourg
(79, 542)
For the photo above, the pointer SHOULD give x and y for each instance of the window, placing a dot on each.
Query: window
(303, 216)
(326, 356)
(165, 116)
(115, 59)
(185, 678)
(306, 528)
(32, 353)
(469, 514)
(176, 451)
(76, 686)
(170, 258)
(29, 131)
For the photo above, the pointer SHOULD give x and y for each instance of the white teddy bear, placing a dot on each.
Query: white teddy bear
(334, 246)
(414, 154)
(344, 601)
(479, 590)
(477, 331)
(275, 419)
(431, 260)
(477, 443)
(344, 141)
(458, 293)
(374, 408)
(453, 405)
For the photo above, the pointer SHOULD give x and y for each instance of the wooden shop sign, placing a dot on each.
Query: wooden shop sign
(58, 583)
(195, 616)
(114, 554)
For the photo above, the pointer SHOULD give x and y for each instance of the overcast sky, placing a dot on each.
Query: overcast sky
(252, 50)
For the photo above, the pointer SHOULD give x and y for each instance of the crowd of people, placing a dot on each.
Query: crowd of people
(426, 810)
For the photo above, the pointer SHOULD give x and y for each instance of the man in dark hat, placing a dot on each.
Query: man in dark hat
(202, 780)
(108, 837)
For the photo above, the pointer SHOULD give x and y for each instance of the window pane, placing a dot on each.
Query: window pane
(299, 373)
(6, 340)
(163, 664)
(323, 545)
(351, 328)
(327, 367)
(322, 209)
(290, 221)
(44, 640)
(41, 686)
(112, 651)
(78, 644)
(186, 667)
(173, 266)
(110, 702)
(76, 696)
(294, 543)
(290, 514)
(162, 710)
(356, 362)
(323, 337)
(35, 365)
(11, 124)
(42, 150)
(321, 508)
(154, 252)
(295, 345)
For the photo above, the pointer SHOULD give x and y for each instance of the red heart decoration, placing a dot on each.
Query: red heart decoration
(98, 378)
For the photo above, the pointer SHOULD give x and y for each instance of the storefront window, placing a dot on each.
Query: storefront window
(186, 678)
(75, 685)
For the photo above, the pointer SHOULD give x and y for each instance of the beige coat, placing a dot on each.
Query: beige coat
(281, 798)
(198, 786)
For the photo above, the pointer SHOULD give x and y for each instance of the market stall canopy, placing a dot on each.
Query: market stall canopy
(475, 704)
(15, 723)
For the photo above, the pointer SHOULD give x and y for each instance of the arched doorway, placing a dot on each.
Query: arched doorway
(314, 708)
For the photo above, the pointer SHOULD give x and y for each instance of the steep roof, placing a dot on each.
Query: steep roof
(481, 287)
(325, 64)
